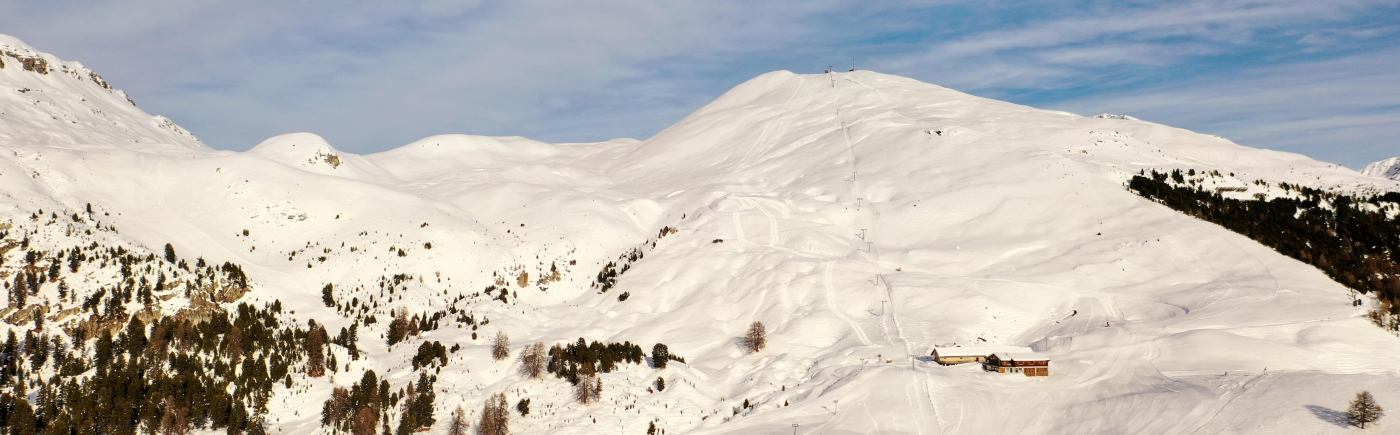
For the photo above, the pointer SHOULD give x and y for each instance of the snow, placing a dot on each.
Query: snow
(1388, 168)
(863, 217)
(1023, 356)
(978, 350)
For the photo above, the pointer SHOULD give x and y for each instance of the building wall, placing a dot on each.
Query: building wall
(949, 360)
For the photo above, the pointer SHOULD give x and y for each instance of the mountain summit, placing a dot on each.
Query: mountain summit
(51, 101)
(1388, 168)
(856, 220)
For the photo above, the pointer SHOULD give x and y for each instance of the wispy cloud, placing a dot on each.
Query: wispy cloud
(374, 75)
(1343, 110)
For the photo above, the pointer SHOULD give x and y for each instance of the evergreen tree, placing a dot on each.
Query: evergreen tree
(328, 295)
(20, 420)
(170, 253)
(659, 355)
(422, 408)
(398, 328)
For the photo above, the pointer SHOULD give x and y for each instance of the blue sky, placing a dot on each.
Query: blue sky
(1321, 78)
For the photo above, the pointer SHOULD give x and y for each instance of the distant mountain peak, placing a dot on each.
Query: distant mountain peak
(53, 95)
(1113, 116)
(1388, 169)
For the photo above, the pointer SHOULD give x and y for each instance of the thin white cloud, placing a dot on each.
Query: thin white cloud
(1096, 38)
(1328, 110)
(374, 75)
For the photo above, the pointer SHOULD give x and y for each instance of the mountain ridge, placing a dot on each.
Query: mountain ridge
(1388, 168)
(864, 218)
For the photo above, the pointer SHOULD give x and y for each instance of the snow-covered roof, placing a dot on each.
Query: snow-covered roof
(977, 350)
(1022, 356)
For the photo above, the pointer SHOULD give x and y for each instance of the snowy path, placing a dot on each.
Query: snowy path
(832, 305)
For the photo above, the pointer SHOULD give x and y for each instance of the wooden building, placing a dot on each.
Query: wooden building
(1029, 364)
(977, 354)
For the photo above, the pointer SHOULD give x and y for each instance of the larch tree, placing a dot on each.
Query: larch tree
(365, 421)
(175, 420)
(316, 340)
(533, 360)
(495, 417)
(500, 347)
(1364, 410)
(589, 388)
(756, 339)
(458, 425)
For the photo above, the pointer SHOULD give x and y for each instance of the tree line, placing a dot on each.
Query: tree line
(1352, 239)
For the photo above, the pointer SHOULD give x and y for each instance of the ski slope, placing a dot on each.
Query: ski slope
(863, 217)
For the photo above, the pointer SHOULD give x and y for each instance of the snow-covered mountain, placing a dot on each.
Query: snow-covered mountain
(863, 218)
(1388, 168)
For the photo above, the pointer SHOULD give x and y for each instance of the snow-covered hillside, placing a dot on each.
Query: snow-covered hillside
(863, 218)
(1388, 168)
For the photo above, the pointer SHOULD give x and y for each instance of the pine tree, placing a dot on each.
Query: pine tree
(398, 328)
(422, 408)
(21, 416)
(328, 295)
(1364, 410)
(659, 355)
(19, 293)
(170, 253)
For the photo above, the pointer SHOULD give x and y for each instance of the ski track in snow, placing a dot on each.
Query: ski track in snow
(832, 305)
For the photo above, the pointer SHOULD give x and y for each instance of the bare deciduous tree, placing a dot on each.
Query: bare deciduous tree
(175, 421)
(495, 417)
(500, 347)
(533, 360)
(233, 344)
(1364, 410)
(316, 340)
(336, 409)
(756, 338)
(365, 421)
(589, 388)
(458, 425)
